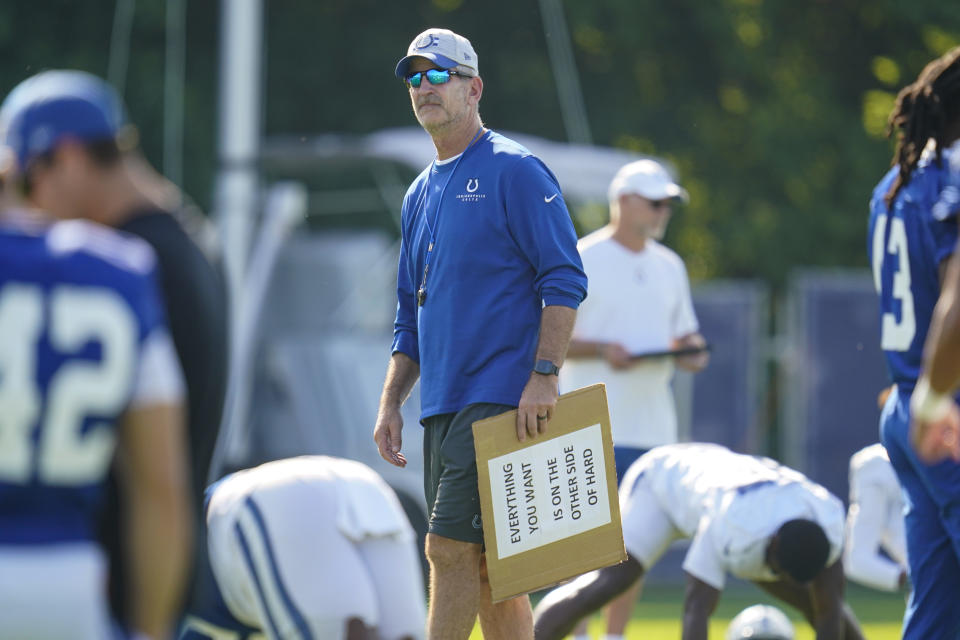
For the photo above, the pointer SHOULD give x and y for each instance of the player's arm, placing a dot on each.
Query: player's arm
(613, 352)
(403, 370)
(820, 602)
(539, 397)
(152, 461)
(935, 419)
(540, 224)
(402, 373)
(866, 523)
(941, 352)
(699, 603)
(559, 611)
(831, 619)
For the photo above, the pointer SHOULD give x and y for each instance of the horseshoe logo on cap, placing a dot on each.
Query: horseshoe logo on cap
(428, 40)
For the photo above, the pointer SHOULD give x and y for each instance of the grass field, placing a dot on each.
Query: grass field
(656, 615)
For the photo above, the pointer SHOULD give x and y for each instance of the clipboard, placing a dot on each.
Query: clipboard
(683, 351)
(549, 505)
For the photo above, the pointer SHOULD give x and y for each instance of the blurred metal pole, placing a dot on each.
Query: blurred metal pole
(120, 44)
(572, 106)
(236, 198)
(173, 83)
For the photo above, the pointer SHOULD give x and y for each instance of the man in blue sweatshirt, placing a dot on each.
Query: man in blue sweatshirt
(488, 284)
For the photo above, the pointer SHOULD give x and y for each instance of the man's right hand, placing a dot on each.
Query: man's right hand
(616, 356)
(387, 436)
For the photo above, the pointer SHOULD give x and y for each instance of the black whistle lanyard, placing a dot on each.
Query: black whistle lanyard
(422, 291)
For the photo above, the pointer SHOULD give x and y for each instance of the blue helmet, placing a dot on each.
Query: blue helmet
(46, 108)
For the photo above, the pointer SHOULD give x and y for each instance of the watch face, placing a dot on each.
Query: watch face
(546, 367)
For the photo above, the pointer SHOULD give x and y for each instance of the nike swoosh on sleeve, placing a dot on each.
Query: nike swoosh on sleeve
(550, 199)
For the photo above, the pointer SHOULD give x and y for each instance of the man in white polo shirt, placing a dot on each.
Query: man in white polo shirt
(639, 303)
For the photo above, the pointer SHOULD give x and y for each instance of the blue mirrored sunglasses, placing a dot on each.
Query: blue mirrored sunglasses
(434, 76)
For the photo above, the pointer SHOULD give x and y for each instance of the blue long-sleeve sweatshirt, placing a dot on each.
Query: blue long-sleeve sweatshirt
(504, 247)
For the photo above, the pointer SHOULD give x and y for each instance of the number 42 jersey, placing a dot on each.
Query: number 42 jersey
(82, 339)
(906, 244)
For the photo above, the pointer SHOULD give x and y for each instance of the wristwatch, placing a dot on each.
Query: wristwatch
(546, 368)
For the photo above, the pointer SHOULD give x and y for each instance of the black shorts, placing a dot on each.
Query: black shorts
(450, 472)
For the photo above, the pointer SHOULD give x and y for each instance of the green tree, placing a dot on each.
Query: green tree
(773, 111)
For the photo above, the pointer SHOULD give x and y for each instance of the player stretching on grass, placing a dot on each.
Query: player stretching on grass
(910, 247)
(875, 551)
(748, 516)
(313, 548)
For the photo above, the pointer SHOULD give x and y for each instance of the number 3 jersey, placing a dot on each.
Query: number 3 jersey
(82, 339)
(906, 244)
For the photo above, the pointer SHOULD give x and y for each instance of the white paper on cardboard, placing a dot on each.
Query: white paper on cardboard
(549, 491)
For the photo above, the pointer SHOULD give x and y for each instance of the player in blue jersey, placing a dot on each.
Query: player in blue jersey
(488, 284)
(87, 370)
(910, 246)
(76, 154)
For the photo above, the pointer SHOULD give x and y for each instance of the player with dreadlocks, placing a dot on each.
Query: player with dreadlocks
(910, 244)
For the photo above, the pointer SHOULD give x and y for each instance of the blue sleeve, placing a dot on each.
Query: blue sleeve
(948, 204)
(944, 238)
(405, 338)
(943, 214)
(538, 219)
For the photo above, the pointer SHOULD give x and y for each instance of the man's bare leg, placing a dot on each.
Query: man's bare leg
(508, 620)
(618, 612)
(454, 587)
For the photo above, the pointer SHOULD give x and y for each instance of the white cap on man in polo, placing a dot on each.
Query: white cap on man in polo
(444, 48)
(647, 178)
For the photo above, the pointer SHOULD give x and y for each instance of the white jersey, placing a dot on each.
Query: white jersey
(729, 504)
(54, 592)
(642, 301)
(305, 544)
(875, 521)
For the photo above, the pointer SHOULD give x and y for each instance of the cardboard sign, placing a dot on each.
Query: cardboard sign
(549, 504)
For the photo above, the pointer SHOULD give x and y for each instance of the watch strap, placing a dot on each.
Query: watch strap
(546, 367)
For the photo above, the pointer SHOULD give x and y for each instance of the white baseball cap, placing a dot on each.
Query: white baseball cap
(647, 178)
(444, 48)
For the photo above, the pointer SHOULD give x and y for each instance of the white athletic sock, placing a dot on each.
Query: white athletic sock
(611, 636)
(581, 637)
